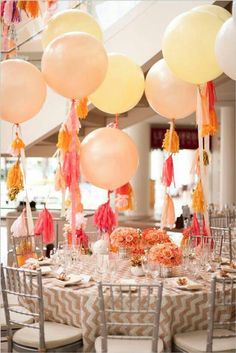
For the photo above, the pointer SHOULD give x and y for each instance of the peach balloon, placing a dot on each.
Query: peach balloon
(109, 158)
(168, 95)
(74, 64)
(22, 91)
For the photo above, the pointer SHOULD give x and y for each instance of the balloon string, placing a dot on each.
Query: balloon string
(73, 176)
(117, 121)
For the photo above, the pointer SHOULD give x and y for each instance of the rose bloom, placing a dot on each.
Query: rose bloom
(167, 254)
(152, 236)
(125, 237)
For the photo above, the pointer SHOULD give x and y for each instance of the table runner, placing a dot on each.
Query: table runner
(181, 310)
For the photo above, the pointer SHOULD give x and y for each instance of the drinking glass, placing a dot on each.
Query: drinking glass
(146, 266)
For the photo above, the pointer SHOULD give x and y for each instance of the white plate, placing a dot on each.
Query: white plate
(191, 285)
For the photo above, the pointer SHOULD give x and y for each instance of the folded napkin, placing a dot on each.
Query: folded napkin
(73, 280)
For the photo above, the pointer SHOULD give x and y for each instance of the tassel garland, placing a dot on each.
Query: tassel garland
(124, 198)
(14, 181)
(168, 172)
(198, 199)
(44, 226)
(168, 213)
(105, 218)
(174, 146)
(82, 108)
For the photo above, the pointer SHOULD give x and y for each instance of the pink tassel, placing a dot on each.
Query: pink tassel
(60, 184)
(168, 214)
(8, 12)
(19, 228)
(168, 171)
(3, 3)
(70, 166)
(83, 238)
(105, 218)
(44, 226)
(196, 229)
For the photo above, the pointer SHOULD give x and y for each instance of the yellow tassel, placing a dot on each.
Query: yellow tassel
(174, 148)
(64, 139)
(205, 158)
(82, 108)
(17, 144)
(198, 199)
(14, 181)
(212, 127)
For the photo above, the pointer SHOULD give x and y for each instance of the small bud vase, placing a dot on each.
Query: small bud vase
(137, 271)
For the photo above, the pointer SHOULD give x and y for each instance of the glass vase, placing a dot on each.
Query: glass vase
(165, 272)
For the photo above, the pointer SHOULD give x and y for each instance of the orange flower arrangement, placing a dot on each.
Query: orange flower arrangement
(168, 255)
(152, 236)
(125, 237)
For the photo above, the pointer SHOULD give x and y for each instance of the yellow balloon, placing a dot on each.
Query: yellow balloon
(188, 46)
(219, 11)
(70, 21)
(122, 88)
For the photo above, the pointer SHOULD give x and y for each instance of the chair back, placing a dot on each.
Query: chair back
(27, 284)
(141, 302)
(222, 297)
(25, 247)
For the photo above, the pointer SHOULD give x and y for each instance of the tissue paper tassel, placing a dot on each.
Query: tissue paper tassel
(60, 184)
(168, 214)
(18, 227)
(198, 199)
(124, 198)
(105, 218)
(82, 108)
(174, 147)
(168, 171)
(44, 226)
(14, 181)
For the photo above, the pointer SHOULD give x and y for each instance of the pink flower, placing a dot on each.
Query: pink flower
(167, 254)
(125, 237)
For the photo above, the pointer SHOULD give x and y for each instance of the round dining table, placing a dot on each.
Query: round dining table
(78, 305)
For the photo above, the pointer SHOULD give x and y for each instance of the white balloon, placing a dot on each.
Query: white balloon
(225, 48)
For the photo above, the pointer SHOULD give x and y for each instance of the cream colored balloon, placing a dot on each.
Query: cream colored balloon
(70, 21)
(122, 88)
(219, 11)
(189, 46)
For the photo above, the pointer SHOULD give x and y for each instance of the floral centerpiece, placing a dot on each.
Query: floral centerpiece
(152, 236)
(125, 239)
(81, 237)
(167, 255)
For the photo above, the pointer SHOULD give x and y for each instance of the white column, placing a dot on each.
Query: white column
(227, 156)
(140, 133)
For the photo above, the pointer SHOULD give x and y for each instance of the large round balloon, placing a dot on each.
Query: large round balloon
(225, 48)
(122, 88)
(22, 90)
(219, 11)
(188, 46)
(168, 95)
(74, 64)
(70, 21)
(109, 158)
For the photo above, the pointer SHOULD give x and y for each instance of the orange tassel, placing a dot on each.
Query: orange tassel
(124, 198)
(82, 108)
(174, 148)
(60, 184)
(17, 144)
(14, 181)
(198, 199)
(21, 4)
(64, 139)
(32, 8)
(168, 213)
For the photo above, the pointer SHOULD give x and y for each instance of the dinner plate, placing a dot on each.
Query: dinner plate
(191, 285)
